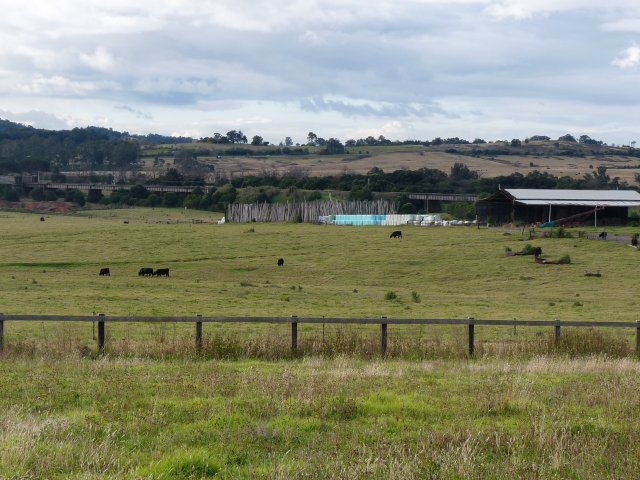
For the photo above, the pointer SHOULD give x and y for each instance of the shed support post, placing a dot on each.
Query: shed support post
(1, 332)
(101, 335)
(638, 336)
(199, 334)
(471, 337)
(557, 331)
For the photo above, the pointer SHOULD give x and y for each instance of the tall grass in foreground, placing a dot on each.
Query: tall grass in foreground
(341, 342)
(335, 418)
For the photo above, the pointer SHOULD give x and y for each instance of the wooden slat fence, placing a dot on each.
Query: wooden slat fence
(384, 323)
(307, 212)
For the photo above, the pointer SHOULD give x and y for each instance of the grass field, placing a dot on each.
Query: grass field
(245, 409)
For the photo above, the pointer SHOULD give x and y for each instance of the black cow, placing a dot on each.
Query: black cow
(42, 219)
(104, 272)
(396, 234)
(537, 252)
(161, 272)
(145, 272)
(603, 235)
(281, 262)
(634, 240)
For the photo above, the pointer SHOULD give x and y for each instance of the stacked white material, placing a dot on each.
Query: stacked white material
(395, 219)
(431, 220)
(359, 220)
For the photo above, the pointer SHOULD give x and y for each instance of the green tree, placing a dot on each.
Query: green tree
(153, 200)
(333, 147)
(171, 200)
(139, 191)
(257, 140)
(460, 171)
(38, 194)
(79, 198)
(567, 138)
(312, 138)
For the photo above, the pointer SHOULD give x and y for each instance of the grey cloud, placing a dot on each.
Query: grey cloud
(36, 119)
(396, 110)
(137, 113)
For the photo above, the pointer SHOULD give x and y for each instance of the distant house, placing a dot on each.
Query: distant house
(565, 207)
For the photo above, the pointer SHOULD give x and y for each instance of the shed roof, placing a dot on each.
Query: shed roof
(589, 198)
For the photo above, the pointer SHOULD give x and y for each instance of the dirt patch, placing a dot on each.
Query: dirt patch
(57, 206)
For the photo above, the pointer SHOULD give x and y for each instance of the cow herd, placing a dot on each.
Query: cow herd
(143, 272)
(164, 272)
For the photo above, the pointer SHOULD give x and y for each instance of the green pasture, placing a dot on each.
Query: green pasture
(339, 418)
(52, 267)
(151, 408)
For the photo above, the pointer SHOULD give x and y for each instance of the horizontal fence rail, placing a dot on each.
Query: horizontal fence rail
(384, 323)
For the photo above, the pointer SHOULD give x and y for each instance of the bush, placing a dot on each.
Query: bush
(38, 194)
(153, 200)
(11, 195)
(172, 200)
(79, 198)
(391, 295)
(565, 260)
(408, 209)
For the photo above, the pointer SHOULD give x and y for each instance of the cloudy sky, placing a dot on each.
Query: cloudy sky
(405, 69)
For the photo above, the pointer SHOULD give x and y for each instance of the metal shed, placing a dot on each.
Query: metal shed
(594, 207)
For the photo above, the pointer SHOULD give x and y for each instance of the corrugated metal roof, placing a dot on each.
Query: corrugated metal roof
(572, 197)
(592, 203)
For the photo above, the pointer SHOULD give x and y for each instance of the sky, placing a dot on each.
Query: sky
(404, 69)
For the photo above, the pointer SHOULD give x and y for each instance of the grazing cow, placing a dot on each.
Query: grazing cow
(537, 251)
(634, 240)
(104, 272)
(126, 222)
(161, 272)
(281, 262)
(602, 235)
(42, 219)
(396, 234)
(145, 272)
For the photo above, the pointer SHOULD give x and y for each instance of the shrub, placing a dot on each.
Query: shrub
(79, 198)
(38, 194)
(415, 297)
(565, 260)
(391, 295)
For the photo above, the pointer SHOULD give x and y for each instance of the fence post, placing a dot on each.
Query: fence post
(199, 334)
(637, 336)
(294, 335)
(557, 331)
(1, 332)
(471, 336)
(383, 337)
(101, 333)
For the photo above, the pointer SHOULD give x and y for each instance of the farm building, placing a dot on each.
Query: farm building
(564, 207)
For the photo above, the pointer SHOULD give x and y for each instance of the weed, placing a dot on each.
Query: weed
(415, 297)
(391, 295)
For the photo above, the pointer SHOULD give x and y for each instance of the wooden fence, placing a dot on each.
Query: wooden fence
(307, 212)
(384, 323)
